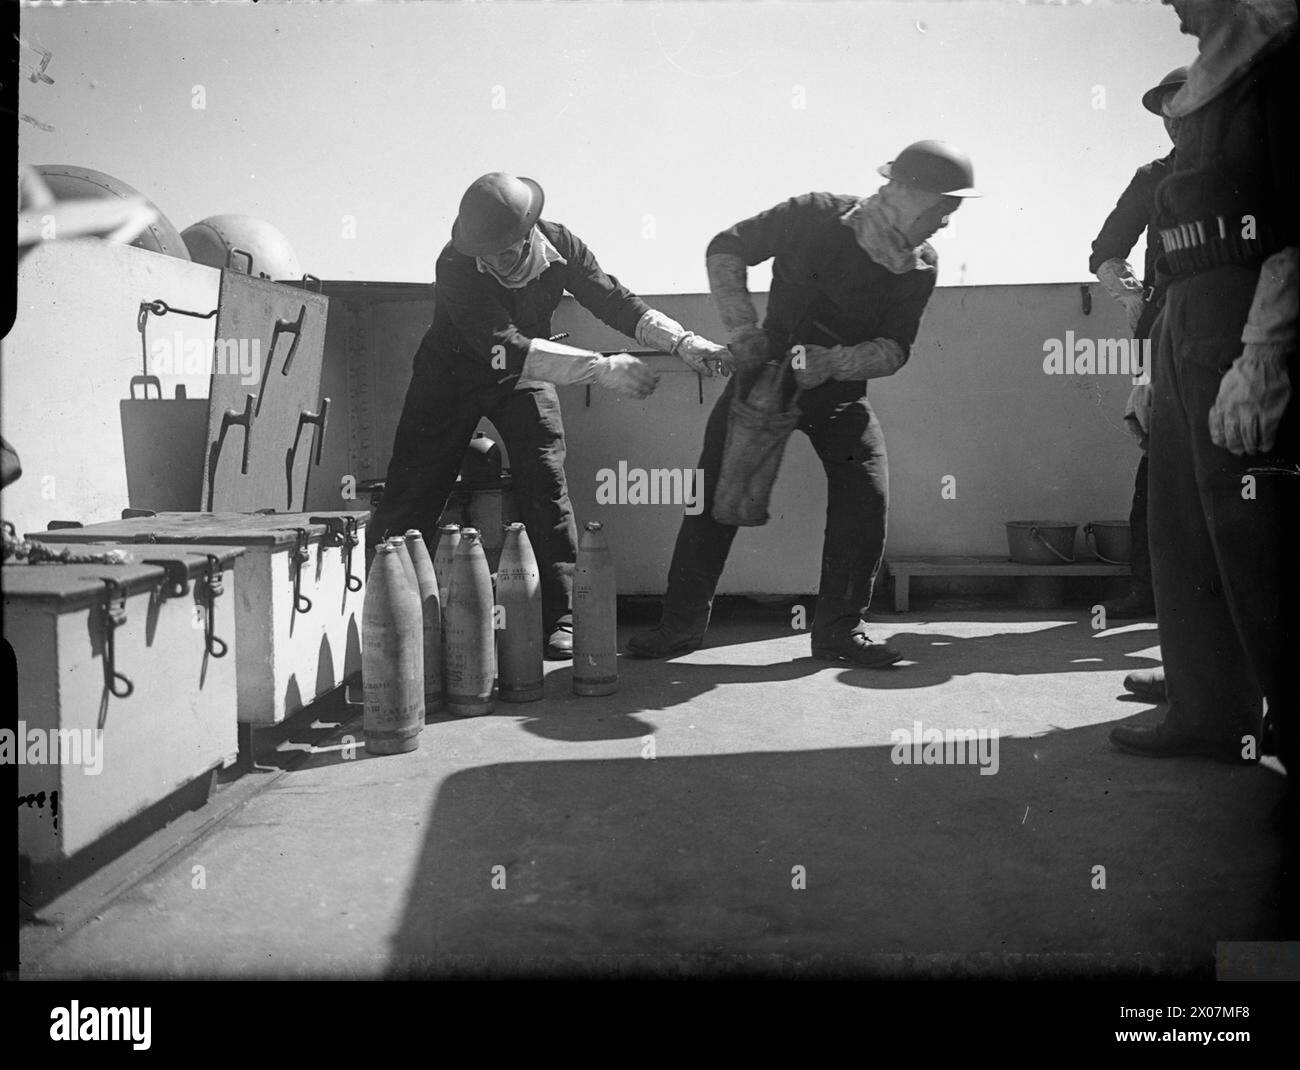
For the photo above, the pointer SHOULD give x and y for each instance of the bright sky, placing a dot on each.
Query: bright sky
(651, 125)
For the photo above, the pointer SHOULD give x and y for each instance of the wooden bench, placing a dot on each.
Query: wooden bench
(902, 569)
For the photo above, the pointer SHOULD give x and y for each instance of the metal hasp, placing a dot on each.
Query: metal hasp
(212, 590)
(228, 418)
(114, 617)
(342, 531)
(157, 308)
(301, 558)
(291, 456)
(178, 575)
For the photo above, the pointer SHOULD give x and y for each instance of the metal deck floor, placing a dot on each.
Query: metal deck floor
(764, 761)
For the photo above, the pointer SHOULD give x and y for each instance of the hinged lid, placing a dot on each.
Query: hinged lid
(244, 529)
(68, 587)
(72, 586)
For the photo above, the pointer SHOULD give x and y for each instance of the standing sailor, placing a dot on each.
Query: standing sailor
(1224, 437)
(1142, 301)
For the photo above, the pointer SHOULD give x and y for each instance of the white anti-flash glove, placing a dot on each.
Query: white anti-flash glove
(1117, 277)
(656, 331)
(873, 359)
(551, 362)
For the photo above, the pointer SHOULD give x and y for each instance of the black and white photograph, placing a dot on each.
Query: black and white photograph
(663, 490)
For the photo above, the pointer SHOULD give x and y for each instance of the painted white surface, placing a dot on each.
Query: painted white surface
(972, 403)
(175, 726)
(68, 363)
(288, 659)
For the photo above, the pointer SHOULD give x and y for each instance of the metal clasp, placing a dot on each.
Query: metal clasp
(114, 618)
(302, 555)
(343, 531)
(212, 589)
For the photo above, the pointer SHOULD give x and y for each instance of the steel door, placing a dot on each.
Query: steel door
(266, 420)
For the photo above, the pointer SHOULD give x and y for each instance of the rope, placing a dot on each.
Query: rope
(25, 551)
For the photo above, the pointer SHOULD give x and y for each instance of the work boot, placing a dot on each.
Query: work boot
(1147, 683)
(1159, 741)
(663, 641)
(559, 644)
(856, 647)
(1135, 605)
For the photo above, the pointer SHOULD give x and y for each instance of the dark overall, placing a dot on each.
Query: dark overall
(824, 289)
(1130, 217)
(1224, 561)
(467, 368)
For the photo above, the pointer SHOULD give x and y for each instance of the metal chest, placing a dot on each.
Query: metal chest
(301, 587)
(128, 668)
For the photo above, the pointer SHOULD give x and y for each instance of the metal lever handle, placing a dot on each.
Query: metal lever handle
(293, 327)
(291, 457)
(229, 418)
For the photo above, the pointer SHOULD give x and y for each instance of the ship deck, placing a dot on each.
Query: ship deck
(735, 810)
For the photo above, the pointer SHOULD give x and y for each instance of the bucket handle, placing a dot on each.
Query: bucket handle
(1088, 532)
(1033, 534)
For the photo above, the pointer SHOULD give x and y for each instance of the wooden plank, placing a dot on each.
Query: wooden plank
(996, 566)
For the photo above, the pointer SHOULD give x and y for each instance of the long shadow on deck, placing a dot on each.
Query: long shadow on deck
(687, 865)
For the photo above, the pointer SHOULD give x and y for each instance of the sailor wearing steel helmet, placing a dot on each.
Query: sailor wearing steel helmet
(487, 354)
(851, 277)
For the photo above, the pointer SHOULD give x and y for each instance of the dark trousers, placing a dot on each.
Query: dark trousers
(1140, 552)
(847, 437)
(1224, 576)
(443, 406)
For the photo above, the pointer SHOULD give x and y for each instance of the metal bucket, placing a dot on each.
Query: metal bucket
(1112, 541)
(1041, 542)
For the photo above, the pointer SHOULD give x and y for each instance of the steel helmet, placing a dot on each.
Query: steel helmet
(1170, 83)
(934, 166)
(496, 211)
(244, 244)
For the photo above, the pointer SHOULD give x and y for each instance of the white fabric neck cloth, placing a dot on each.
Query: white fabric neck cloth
(879, 223)
(541, 255)
(1232, 38)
